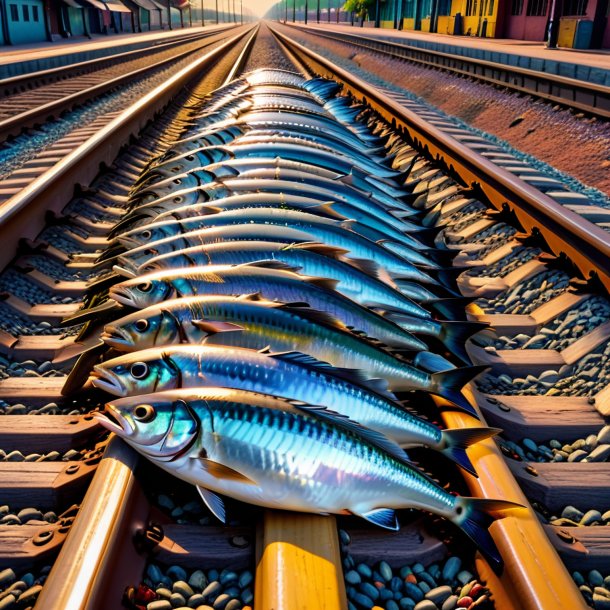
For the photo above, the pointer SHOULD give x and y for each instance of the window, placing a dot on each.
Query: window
(26, 12)
(14, 12)
(537, 8)
(575, 7)
(516, 7)
(471, 7)
(491, 7)
(35, 13)
(409, 12)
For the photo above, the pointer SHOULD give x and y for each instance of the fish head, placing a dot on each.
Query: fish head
(141, 292)
(141, 330)
(147, 234)
(137, 373)
(157, 425)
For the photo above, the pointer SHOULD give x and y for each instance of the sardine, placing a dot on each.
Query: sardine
(310, 460)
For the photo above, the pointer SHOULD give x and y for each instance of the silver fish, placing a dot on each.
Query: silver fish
(309, 460)
(238, 322)
(288, 374)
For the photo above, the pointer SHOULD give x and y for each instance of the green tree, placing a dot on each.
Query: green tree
(360, 7)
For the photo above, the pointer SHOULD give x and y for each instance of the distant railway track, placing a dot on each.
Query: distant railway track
(580, 95)
(130, 522)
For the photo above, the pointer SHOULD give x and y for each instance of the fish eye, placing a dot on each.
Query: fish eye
(141, 325)
(177, 199)
(146, 234)
(145, 287)
(144, 413)
(139, 370)
(190, 157)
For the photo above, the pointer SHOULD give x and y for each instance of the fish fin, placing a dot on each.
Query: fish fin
(458, 440)
(323, 282)
(213, 327)
(271, 264)
(382, 517)
(372, 436)
(254, 296)
(319, 248)
(472, 516)
(265, 350)
(365, 265)
(105, 310)
(313, 315)
(214, 503)
(448, 385)
(124, 272)
(431, 362)
(379, 386)
(220, 471)
(327, 209)
(455, 334)
(347, 224)
(451, 308)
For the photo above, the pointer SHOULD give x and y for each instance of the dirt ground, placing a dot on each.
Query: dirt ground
(576, 145)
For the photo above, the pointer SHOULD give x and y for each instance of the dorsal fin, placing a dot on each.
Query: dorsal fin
(347, 224)
(313, 315)
(372, 436)
(328, 210)
(254, 296)
(365, 265)
(353, 376)
(323, 282)
(319, 248)
(271, 264)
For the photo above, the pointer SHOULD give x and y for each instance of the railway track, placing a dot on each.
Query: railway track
(62, 108)
(142, 539)
(580, 95)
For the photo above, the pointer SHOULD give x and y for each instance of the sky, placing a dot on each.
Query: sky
(258, 7)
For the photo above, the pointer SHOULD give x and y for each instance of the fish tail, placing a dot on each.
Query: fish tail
(448, 385)
(451, 308)
(473, 516)
(455, 334)
(455, 442)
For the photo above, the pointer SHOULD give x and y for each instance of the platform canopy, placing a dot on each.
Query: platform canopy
(116, 6)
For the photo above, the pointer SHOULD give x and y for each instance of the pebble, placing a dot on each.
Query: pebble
(595, 578)
(159, 604)
(450, 603)
(414, 592)
(198, 580)
(245, 579)
(601, 602)
(603, 436)
(353, 577)
(571, 512)
(29, 595)
(7, 602)
(177, 600)
(591, 517)
(385, 570)
(221, 601)
(154, 574)
(362, 601)
(27, 514)
(344, 537)
(212, 589)
(183, 589)
(234, 604)
(426, 604)
(196, 600)
(439, 594)
(451, 568)
(577, 455)
(176, 573)
(464, 577)
(369, 590)
(600, 454)
(464, 602)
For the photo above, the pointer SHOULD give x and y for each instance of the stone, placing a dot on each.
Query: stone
(385, 570)
(183, 589)
(353, 577)
(439, 594)
(177, 600)
(176, 573)
(577, 455)
(595, 578)
(159, 604)
(450, 603)
(603, 436)
(464, 577)
(414, 592)
(451, 568)
(591, 517)
(601, 453)
(426, 604)
(571, 512)
(245, 579)
(221, 601)
(212, 590)
(198, 580)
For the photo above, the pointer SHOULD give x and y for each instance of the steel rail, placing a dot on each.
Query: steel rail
(16, 123)
(243, 57)
(534, 577)
(585, 244)
(22, 215)
(105, 520)
(578, 94)
(25, 80)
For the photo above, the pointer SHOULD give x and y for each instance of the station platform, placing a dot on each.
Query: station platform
(589, 65)
(23, 59)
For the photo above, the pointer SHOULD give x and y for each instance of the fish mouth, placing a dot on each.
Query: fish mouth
(113, 421)
(116, 337)
(108, 381)
(122, 296)
(128, 242)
